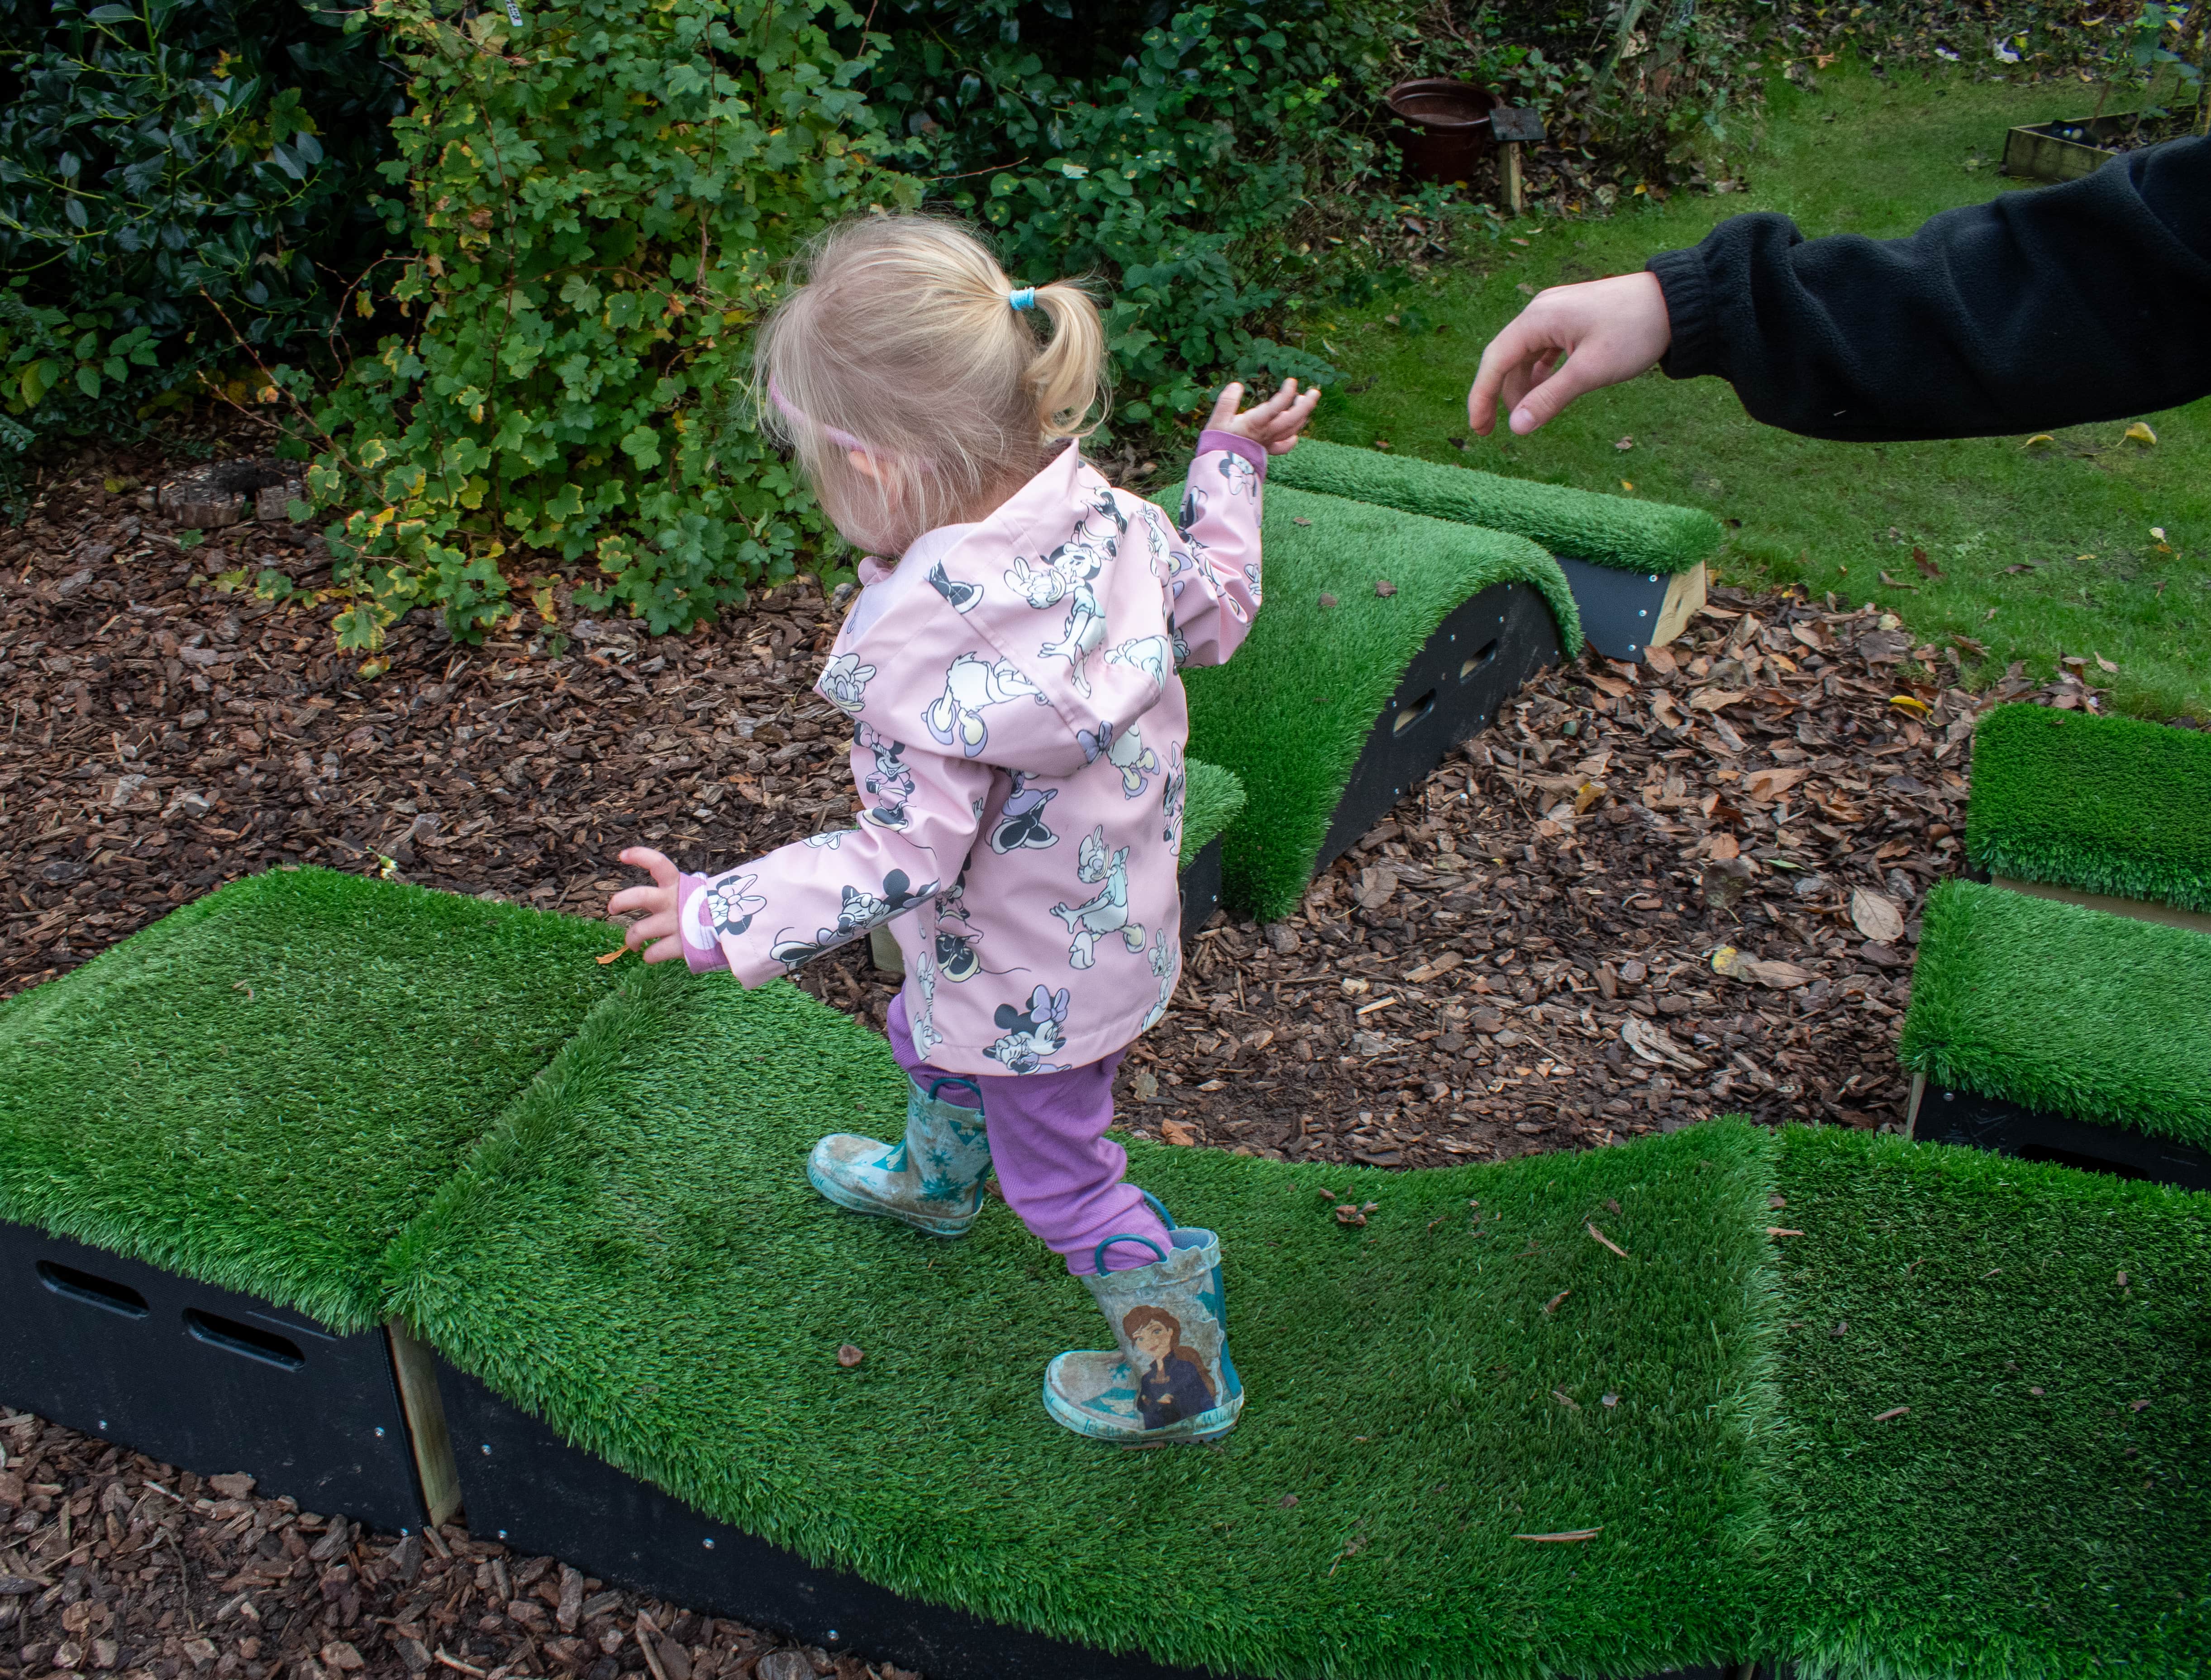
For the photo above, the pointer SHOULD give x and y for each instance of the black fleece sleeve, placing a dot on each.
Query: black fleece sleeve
(2087, 301)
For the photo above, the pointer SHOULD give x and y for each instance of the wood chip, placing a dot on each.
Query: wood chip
(1552, 1304)
(1590, 1227)
(1894, 1411)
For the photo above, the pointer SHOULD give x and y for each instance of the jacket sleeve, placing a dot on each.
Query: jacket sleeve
(921, 813)
(1213, 576)
(2036, 310)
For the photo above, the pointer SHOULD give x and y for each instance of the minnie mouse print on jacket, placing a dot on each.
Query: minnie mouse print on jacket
(1018, 729)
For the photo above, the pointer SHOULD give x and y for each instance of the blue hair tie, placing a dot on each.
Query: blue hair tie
(1023, 299)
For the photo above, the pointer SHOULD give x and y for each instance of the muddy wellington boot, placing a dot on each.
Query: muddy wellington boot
(932, 1179)
(1170, 1378)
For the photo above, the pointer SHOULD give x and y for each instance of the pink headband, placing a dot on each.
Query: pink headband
(797, 415)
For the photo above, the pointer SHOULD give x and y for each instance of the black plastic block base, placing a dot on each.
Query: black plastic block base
(1621, 611)
(1949, 1115)
(1453, 688)
(524, 1485)
(206, 1380)
(1201, 888)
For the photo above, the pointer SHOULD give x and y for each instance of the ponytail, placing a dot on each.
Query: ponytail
(1069, 372)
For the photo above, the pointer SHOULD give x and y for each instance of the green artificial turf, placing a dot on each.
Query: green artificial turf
(1605, 530)
(2085, 543)
(2043, 1508)
(637, 1256)
(2068, 1010)
(1290, 711)
(1211, 797)
(261, 1090)
(2101, 804)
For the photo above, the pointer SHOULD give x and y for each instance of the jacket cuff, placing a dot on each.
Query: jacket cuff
(1682, 277)
(702, 950)
(1236, 444)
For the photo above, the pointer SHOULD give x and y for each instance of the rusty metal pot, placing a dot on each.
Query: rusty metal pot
(1442, 126)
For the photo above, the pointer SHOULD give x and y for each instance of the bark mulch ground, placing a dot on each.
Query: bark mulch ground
(1652, 894)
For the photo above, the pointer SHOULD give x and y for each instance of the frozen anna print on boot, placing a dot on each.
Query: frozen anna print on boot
(1169, 1377)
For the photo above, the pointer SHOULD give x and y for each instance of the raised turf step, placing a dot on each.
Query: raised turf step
(2057, 1011)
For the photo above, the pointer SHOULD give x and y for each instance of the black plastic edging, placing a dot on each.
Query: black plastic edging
(1950, 1114)
(1621, 611)
(204, 1379)
(531, 1490)
(1453, 689)
(1201, 888)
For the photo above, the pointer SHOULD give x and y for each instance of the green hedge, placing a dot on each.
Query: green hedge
(2101, 804)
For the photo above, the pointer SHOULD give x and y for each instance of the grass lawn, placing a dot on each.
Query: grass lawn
(1865, 156)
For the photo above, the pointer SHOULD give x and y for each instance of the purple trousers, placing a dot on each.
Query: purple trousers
(1058, 1170)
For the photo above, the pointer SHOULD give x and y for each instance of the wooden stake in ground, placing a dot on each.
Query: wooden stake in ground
(1512, 126)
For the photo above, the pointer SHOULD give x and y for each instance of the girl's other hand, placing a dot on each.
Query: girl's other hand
(1274, 425)
(657, 934)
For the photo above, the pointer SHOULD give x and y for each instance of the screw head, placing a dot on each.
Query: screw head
(502, 1534)
(487, 1449)
(379, 1432)
(709, 1543)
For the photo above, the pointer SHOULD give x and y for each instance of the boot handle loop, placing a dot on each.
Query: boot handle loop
(969, 1083)
(1098, 1254)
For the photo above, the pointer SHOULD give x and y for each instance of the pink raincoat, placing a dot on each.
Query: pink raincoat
(1018, 728)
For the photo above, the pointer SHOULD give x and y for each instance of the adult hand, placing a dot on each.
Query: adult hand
(1604, 331)
(1274, 425)
(658, 901)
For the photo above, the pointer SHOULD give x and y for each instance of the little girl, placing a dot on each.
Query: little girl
(1018, 729)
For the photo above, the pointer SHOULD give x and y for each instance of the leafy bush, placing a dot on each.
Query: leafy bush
(1182, 174)
(600, 200)
(175, 175)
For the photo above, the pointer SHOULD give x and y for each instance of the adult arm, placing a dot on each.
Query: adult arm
(2087, 301)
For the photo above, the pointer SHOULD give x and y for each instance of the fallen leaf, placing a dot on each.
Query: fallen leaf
(2104, 664)
(1625, 484)
(848, 1355)
(1894, 1411)
(1912, 703)
(616, 955)
(1652, 1044)
(1347, 1214)
(1611, 687)
(1177, 1133)
(1781, 1231)
(1978, 650)
(1590, 1227)
(1896, 583)
(1711, 700)
(1300, 519)
(1625, 443)
(1377, 886)
(1876, 917)
(1928, 568)
(1566, 1400)
(1385, 588)
(1327, 600)
(2037, 440)
(1772, 784)
(2140, 433)
(1565, 1534)
(1552, 1304)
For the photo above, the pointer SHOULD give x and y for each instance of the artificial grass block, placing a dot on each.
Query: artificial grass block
(1608, 530)
(2072, 1011)
(1291, 712)
(637, 1256)
(259, 1090)
(2042, 1508)
(1211, 797)
(2101, 804)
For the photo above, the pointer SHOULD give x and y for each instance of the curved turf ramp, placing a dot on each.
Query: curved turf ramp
(636, 1256)
(1211, 798)
(2105, 806)
(232, 1114)
(2063, 1010)
(1385, 639)
(1604, 531)
(1993, 1397)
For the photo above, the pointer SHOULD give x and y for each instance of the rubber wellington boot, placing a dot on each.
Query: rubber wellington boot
(932, 1179)
(1170, 1378)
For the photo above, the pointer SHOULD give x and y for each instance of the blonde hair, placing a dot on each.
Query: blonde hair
(903, 338)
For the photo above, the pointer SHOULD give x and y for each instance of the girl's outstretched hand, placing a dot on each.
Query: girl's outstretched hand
(1274, 425)
(657, 934)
